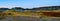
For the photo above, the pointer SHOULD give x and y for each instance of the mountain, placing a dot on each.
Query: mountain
(48, 8)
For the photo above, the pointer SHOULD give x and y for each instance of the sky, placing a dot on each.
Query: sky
(28, 3)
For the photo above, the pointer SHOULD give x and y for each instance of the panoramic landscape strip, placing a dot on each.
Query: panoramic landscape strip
(34, 14)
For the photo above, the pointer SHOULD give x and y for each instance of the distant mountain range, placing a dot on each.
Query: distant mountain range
(39, 8)
(49, 8)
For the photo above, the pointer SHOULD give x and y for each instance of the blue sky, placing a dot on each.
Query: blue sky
(28, 3)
